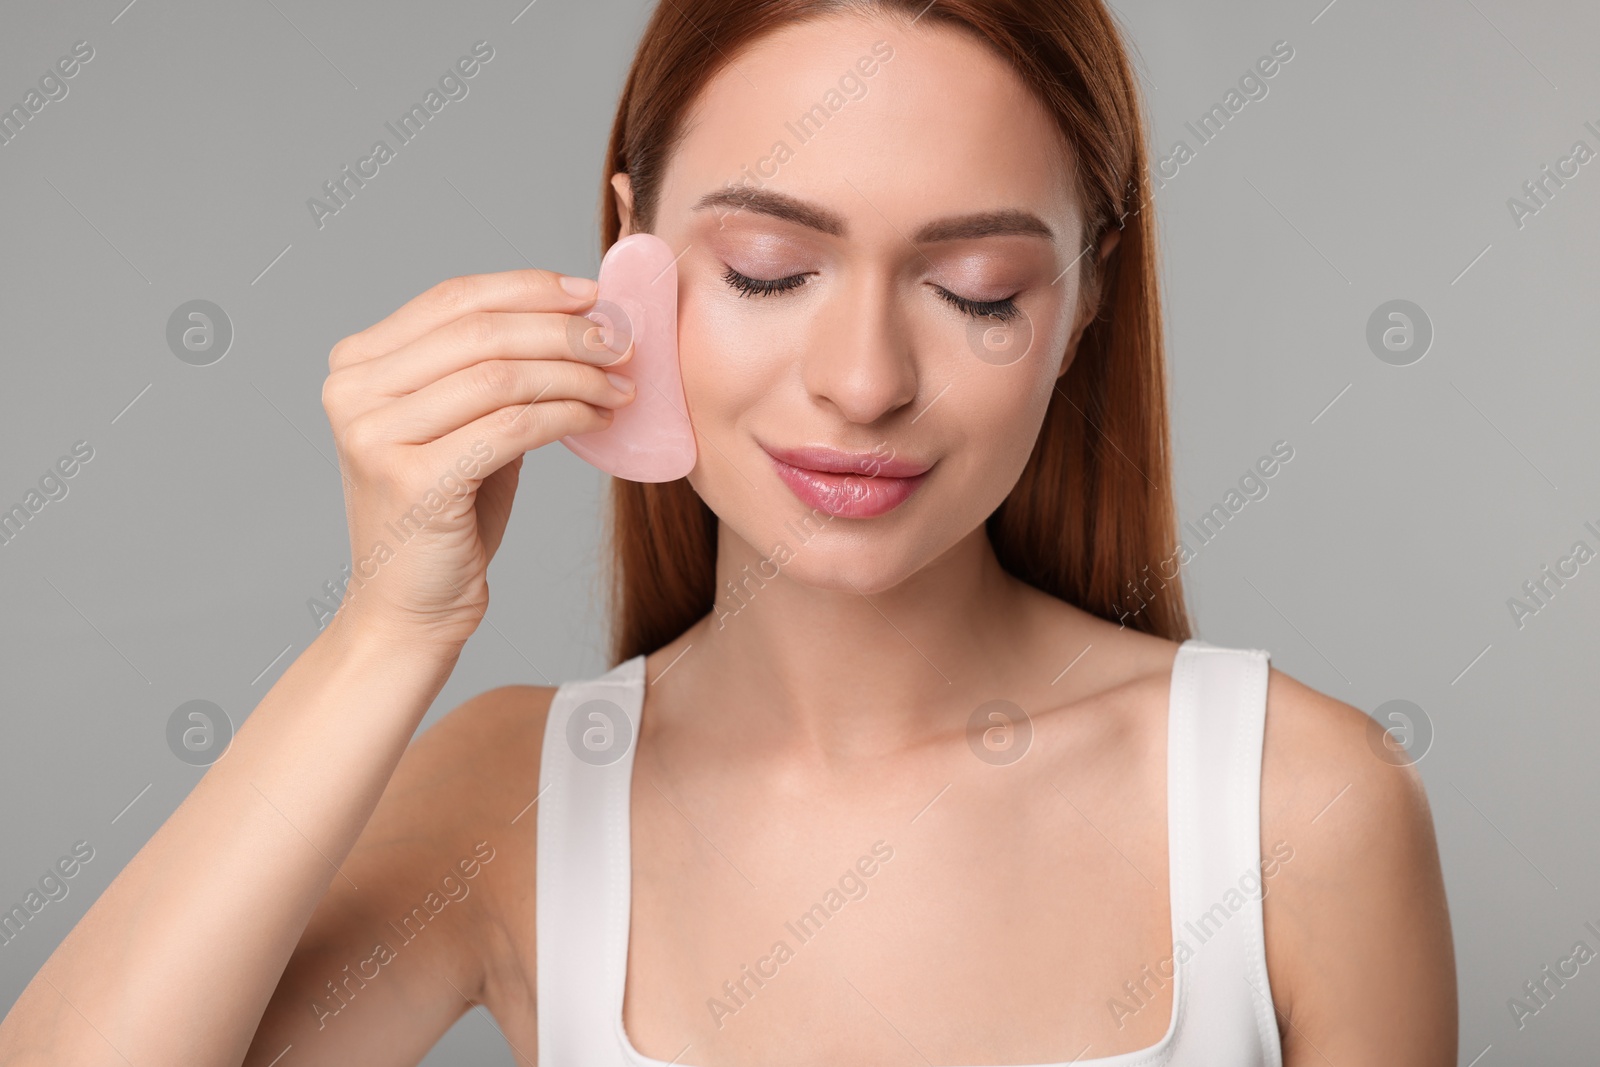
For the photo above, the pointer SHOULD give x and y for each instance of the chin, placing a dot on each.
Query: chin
(861, 564)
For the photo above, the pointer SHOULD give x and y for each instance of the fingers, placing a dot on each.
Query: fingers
(482, 388)
(357, 389)
(501, 361)
(512, 290)
(485, 335)
(510, 431)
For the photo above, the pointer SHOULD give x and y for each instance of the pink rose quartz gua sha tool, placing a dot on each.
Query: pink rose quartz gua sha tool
(650, 439)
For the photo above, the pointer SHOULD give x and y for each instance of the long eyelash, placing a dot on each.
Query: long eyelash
(1004, 310)
(761, 286)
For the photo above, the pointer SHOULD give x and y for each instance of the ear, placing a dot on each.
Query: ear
(622, 186)
(1107, 243)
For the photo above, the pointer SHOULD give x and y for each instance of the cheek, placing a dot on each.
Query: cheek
(1001, 403)
(729, 387)
(731, 358)
(990, 433)
(1000, 420)
(711, 370)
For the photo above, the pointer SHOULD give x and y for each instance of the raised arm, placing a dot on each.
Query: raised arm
(418, 932)
(432, 409)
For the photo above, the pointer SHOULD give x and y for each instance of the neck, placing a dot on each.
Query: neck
(846, 668)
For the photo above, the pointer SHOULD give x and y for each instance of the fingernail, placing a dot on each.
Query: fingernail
(582, 288)
(621, 381)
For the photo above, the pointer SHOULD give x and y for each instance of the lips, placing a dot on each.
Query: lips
(855, 485)
(833, 461)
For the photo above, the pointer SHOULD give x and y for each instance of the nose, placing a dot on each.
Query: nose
(860, 360)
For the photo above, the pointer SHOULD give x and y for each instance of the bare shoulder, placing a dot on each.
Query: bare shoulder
(476, 772)
(469, 778)
(1358, 910)
(485, 752)
(1332, 780)
(474, 776)
(469, 783)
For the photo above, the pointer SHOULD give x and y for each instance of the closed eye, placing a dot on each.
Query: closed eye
(759, 286)
(1003, 310)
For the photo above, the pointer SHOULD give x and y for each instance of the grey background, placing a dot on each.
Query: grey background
(1378, 567)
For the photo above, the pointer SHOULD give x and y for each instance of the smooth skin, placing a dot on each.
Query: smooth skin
(1019, 899)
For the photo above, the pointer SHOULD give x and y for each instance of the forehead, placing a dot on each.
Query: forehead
(941, 125)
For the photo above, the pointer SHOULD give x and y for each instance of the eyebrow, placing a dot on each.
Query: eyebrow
(1006, 222)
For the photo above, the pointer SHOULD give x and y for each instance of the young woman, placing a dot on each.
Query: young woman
(892, 766)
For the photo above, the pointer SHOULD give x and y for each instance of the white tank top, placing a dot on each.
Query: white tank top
(1222, 1010)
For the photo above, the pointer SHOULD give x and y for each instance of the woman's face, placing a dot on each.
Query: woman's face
(881, 237)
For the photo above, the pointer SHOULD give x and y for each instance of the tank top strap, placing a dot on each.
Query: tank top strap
(1220, 872)
(584, 865)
